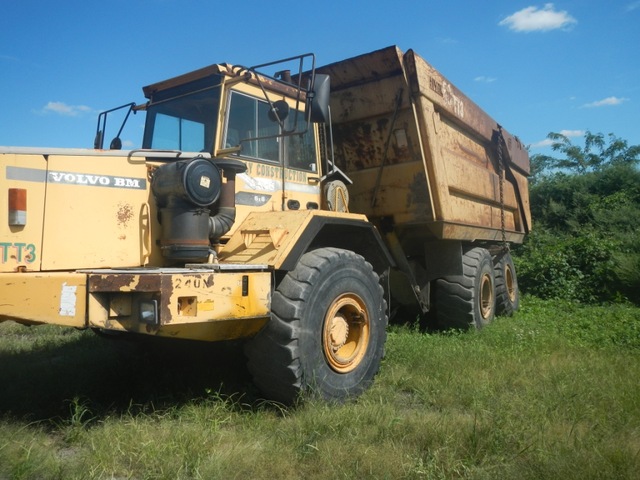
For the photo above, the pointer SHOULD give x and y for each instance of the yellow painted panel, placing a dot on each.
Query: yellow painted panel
(51, 298)
(403, 192)
(268, 238)
(217, 331)
(253, 240)
(219, 296)
(21, 246)
(469, 179)
(260, 189)
(97, 212)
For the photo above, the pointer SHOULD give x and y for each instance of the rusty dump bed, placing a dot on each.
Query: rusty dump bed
(423, 155)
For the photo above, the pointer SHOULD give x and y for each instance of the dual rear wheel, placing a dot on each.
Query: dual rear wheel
(507, 291)
(487, 287)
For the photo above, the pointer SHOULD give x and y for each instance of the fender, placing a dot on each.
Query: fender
(279, 239)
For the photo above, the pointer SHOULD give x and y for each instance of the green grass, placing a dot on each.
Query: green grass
(552, 392)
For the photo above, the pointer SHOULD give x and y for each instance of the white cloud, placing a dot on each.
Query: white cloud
(447, 40)
(547, 142)
(62, 108)
(572, 133)
(534, 19)
(633, 6)
(484, 79)
(606, 102)
(542, 143)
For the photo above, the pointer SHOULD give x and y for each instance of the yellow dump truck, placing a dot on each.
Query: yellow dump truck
(294, 209)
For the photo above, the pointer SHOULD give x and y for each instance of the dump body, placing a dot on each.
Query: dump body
(424, 159)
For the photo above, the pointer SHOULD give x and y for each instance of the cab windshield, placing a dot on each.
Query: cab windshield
(184, 117)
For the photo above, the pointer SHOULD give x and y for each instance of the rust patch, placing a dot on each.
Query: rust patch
(109, 283)
(154, 283)
(418, 194)
(165, 297)
(435, 85)
(125, 214)
(124, 282)
(359, 145)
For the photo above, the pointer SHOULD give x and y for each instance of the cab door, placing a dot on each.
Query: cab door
(302, 180)
(281, 161)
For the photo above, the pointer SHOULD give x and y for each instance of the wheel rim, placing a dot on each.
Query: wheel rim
(486, 297)
(345, 335)
(509, 283)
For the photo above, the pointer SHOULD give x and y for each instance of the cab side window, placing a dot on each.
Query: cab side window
(248, 118)
(300, 147)
(249, 127)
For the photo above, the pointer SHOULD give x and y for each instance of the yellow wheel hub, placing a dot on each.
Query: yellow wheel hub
(486, 297)
(345, 335)
(510, 283)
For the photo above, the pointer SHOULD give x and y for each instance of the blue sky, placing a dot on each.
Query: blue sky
(567, 66)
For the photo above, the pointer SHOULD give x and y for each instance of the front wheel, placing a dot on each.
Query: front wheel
(327, 330)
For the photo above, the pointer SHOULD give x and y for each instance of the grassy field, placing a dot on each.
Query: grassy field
(552, 392)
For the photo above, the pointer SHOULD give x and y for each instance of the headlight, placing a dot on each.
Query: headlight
(149, 312)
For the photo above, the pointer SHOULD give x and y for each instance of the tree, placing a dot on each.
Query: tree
(593, 156)
(586, 209)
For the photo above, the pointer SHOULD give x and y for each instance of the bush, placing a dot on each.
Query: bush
(582, 268)
(586, 216)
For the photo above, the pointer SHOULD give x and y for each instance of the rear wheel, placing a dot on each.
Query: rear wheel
(327, 330)
(463, 301)
(507, 292)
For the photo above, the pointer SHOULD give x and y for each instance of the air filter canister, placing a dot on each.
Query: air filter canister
(183, 190)
(197, 181)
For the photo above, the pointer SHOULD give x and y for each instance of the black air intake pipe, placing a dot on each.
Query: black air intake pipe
(222, 221)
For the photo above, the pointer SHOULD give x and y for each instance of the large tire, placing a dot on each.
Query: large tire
(327, 330)
(507, 291)
(467, 300)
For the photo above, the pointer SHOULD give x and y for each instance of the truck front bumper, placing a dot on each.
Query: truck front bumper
(205, 302)
(34, 298)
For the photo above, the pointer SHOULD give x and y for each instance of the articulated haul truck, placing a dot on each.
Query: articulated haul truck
(295, 210)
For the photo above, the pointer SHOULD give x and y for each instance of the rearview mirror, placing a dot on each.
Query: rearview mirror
(279, 111)
(319, 102)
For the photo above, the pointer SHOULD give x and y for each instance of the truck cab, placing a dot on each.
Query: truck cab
(235, 113)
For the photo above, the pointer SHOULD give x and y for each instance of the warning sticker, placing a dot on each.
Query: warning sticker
(68, 301)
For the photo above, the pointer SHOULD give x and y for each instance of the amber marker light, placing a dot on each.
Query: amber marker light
(17, 207)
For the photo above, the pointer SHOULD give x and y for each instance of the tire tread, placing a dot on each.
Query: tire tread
(274, 353)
